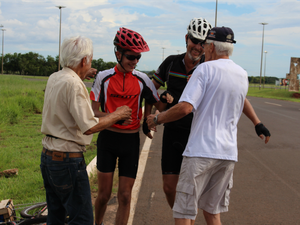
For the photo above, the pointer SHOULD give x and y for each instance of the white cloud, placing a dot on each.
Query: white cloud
(33, 25)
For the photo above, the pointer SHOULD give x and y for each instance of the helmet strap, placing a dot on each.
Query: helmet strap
(120, 61)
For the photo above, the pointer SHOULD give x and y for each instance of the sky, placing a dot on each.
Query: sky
(33, 26)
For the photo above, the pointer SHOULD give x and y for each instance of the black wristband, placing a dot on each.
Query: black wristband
(120, 122)
(145, 127)
(261, 129)
(164, 100)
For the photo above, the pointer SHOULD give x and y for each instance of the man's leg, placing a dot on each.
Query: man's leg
(169, 185)
(56, 211)
(105, 182)
(212, 219)
(124, 199)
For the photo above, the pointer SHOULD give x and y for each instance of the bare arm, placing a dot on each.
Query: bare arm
(175, 113)
(250, 113)
(260, 129)
(97, 112)
(122, 113)
(160, 106)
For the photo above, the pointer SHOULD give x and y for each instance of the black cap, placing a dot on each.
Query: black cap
(222, 34)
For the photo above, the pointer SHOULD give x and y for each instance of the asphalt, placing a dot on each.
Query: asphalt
(266, 188)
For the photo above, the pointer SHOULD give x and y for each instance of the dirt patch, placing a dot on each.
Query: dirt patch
(111, 210)
(112, 205)
(296, 95)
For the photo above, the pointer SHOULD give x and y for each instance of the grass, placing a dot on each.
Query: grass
(276, 92)
(21, 102)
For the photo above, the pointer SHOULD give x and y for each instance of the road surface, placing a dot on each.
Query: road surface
(266, 188)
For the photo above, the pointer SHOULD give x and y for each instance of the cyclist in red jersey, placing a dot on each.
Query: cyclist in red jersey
(112, 88)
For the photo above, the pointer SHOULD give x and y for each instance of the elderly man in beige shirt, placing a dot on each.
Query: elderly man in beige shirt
(68, 123)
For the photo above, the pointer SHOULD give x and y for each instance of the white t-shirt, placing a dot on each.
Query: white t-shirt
(217, 91)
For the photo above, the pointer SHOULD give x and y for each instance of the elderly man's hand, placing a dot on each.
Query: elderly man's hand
(125, 113)
(150, 121)
(91, 73)
(262, 132)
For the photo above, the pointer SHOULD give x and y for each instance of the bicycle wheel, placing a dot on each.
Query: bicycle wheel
(34, 210)
(36, 221)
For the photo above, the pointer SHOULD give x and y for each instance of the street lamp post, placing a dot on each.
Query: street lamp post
(216, 13)
(2, 48)
(262, 50)
(265, 69)
(163, 53)
(60, 7)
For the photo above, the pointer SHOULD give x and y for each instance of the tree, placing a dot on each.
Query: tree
(11, 63)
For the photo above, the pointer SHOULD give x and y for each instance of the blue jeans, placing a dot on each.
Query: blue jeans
(67, 191)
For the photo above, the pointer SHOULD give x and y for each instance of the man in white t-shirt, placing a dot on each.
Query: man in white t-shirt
(215, 94)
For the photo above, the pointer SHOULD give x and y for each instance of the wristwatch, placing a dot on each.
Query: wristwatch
(155, 120)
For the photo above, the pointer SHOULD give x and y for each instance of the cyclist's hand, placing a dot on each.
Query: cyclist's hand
(146, 130)
(124, 122)
(166, 97)
(262, 131)
(189, 77)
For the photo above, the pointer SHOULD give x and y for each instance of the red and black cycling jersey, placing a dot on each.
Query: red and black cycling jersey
(172, 72)
(113, 89)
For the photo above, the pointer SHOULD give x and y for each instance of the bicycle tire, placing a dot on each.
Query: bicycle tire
(32, 221)
(33, 210)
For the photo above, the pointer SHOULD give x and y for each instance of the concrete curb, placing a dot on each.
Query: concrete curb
(91, 168)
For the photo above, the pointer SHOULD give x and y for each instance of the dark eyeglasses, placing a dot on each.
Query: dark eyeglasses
(195, 40)
(132, 57)
(204, 43)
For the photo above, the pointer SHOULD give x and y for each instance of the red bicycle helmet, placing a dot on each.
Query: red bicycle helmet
(130, 40)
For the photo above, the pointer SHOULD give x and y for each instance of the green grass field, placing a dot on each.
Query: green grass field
(21, 103)
(276, 92)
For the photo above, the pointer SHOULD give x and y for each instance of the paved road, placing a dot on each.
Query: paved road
(266, 179)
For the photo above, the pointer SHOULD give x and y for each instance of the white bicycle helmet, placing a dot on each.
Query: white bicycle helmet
(199, 28)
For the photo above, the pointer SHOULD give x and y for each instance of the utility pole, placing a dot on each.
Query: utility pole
(262, 50)
(2, 48)
(60, 7)
(163, 53)
(216, 13)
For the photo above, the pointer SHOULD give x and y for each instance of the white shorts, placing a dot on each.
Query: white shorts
(205, 184)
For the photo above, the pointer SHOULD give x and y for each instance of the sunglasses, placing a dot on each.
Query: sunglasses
(203, 43)
(132, 57)
(195, 40)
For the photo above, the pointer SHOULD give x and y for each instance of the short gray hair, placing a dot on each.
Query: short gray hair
(74, 49)
(222, 48)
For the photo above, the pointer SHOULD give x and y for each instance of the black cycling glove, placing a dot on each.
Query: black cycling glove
(261, 129)
(120, 122)
(145, 127)
(164, 100)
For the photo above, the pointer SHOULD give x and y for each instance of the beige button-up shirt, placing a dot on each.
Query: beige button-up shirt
(67, 113)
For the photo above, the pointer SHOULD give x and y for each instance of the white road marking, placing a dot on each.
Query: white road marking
(139, 177)
(270, 103)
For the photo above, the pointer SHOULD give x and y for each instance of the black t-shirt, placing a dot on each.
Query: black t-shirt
(172, 72)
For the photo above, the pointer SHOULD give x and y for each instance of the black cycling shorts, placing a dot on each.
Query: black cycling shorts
(112, 145)
(174, 142)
